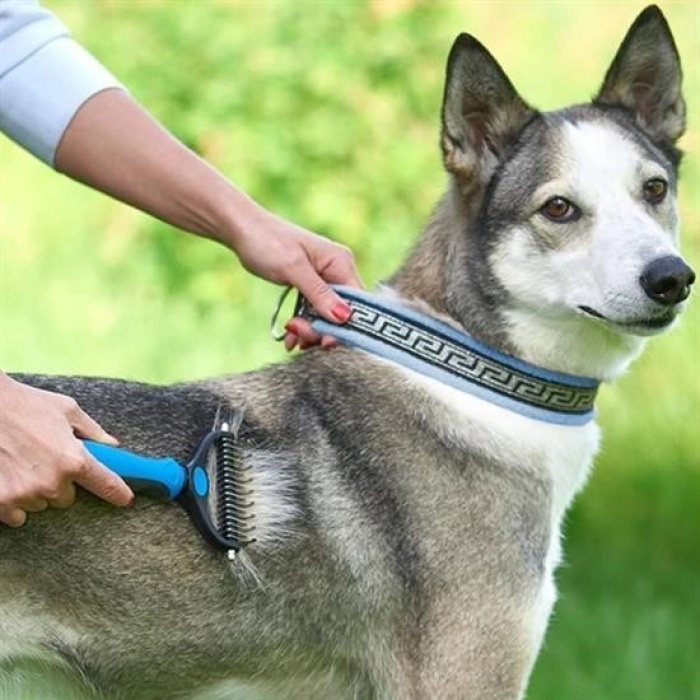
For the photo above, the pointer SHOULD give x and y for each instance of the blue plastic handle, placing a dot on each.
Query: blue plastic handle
(162, 476)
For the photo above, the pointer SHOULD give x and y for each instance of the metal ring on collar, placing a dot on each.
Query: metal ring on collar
(277, 334)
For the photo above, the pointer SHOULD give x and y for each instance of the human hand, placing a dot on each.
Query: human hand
(40, 457)
(287, 254)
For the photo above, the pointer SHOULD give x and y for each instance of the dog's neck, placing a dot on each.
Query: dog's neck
(448, 274)
(447, 271)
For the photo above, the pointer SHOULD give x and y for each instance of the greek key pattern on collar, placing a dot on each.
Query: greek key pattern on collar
(468, 364)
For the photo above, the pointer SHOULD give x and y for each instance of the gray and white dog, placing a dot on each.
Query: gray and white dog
(407, 532)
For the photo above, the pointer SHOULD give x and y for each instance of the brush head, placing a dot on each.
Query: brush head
(219, 495)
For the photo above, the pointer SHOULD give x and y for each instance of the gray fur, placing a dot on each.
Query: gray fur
(411, 548)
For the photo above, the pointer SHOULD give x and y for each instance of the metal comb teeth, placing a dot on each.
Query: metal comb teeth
(233, 508)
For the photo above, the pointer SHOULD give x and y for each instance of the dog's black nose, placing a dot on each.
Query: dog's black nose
(667, 280)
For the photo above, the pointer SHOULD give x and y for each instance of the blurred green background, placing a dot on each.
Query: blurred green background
(327, 113)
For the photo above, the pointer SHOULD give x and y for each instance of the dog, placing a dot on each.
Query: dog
(407, 531)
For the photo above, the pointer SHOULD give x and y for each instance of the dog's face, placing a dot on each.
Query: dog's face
(585, 222)
(577, 207)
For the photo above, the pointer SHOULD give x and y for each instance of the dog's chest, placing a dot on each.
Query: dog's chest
(561, 454)
(558, 455)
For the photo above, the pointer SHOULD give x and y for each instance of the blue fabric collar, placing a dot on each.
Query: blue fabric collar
(419, 342)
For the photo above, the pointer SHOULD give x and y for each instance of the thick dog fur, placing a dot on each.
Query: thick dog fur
(407, 533)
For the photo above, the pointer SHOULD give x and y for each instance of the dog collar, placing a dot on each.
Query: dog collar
(385, 328)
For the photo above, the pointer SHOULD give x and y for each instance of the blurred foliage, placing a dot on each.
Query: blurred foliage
(327, 113)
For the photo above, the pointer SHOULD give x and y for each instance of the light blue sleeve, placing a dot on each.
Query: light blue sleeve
(45, 77)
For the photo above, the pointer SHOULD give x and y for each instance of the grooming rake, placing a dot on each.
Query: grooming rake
(220, 507)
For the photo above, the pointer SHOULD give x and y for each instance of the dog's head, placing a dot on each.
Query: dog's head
(576, 208)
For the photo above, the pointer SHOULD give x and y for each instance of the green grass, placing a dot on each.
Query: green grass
(327, 113)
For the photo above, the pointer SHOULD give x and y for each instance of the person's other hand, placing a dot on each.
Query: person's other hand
(287, 254)
(41, 459)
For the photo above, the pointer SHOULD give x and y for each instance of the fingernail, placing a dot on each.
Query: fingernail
(342, 312)
(292, 327)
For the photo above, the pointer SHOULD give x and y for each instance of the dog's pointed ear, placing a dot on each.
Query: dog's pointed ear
(481, 111)
(645, 77)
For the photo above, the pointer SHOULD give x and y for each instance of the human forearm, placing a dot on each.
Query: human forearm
(61, 104)
(113, 145)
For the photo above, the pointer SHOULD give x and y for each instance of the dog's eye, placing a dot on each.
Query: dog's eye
(560, 210)
(655, 190)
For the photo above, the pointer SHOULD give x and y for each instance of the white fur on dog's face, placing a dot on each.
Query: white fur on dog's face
(556, 272)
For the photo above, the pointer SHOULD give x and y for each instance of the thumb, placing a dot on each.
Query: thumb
(103, 482)
(326, 302)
